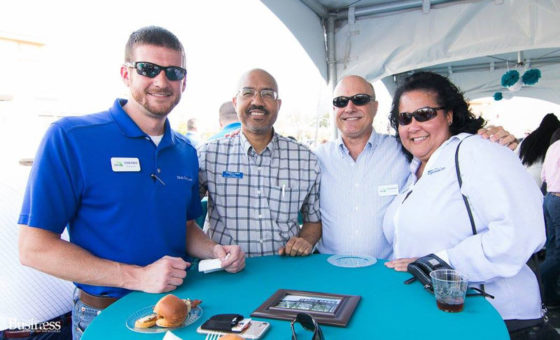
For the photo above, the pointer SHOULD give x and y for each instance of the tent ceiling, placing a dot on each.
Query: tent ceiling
(382, 39)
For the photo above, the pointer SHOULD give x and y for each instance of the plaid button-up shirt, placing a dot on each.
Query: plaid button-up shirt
(254, 199)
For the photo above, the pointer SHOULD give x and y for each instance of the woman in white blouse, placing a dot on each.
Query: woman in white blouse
(429, 216)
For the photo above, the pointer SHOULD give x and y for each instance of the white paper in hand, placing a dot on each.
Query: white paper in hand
(210, 265)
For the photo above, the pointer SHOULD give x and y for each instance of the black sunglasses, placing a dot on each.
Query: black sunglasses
(421, 115)
(151, 70)
(358, 99)
(308, 323)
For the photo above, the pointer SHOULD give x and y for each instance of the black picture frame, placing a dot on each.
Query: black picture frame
(325, 308)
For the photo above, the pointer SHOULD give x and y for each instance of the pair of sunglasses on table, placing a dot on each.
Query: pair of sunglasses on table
(404, 118)
(308, 323)
(151, 70)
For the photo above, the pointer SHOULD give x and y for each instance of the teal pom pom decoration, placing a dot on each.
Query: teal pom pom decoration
(510, 78)
(531, 77)
(498, 96)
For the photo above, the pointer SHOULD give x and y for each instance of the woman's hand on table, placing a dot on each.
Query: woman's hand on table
(164, 275)
(400, 265)
(232, 257)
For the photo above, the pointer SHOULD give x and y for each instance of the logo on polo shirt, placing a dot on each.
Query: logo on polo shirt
(433, 171)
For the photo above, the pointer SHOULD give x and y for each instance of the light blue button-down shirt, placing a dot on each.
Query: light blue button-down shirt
(355, 195)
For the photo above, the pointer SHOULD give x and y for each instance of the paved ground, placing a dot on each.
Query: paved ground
(553, 315)
(554, 319)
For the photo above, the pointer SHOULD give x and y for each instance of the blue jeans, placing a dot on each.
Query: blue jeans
(550, 268)
(82, 316)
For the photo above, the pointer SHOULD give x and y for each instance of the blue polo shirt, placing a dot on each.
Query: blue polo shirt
(122, 197)
(227, 129)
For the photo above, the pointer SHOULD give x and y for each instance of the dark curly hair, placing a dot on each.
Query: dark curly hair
(534, 146)
(152, 35)
(448, 96)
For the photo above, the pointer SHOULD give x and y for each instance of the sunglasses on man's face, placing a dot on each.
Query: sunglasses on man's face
(151, 70)
(421, 115)
(309, 324)
(357, 99)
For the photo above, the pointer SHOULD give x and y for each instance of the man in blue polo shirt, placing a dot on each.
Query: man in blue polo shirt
(126, 185)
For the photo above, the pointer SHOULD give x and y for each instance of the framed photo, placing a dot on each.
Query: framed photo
(327, 309)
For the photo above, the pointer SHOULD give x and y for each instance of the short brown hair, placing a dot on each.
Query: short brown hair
(152, 35)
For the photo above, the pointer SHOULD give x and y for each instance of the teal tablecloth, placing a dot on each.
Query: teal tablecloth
(388, 309)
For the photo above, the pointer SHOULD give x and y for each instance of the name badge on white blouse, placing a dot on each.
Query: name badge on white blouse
(125, 164)
(388, 190)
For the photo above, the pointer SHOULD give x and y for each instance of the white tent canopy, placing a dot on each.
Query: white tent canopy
(474, 42)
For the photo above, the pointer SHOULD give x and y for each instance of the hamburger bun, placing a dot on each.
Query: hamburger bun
(231, 337)
(171, 311)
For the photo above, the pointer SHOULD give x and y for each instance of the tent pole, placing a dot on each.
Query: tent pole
(331, 63)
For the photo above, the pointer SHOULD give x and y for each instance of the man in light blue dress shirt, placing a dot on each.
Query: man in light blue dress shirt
(361, 172)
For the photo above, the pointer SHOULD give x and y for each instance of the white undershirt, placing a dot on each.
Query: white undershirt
(156, 139)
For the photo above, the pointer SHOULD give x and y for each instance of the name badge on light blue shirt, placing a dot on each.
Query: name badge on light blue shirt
(232, 174)
(388, 190)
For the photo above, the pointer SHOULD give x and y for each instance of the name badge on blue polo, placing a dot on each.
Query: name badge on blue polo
(125, 164)
(232, 174)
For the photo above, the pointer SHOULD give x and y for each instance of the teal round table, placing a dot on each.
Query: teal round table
(388, 308)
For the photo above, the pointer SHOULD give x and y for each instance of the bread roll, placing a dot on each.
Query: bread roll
(171, 311)
(146, 321)
(231, 337)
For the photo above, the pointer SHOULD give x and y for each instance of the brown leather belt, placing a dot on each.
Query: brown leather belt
(16, 334)
(98, 302)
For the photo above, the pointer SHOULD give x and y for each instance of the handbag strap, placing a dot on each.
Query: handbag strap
(467, 205)
(471, 218)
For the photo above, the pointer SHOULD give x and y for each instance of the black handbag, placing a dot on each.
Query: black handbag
(422, 267)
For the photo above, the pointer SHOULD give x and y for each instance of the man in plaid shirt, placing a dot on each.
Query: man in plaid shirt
(258, 181)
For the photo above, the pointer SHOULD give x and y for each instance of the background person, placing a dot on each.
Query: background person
(550, 268)
(429, 216)
(533, 148)
(126, 186)
(192, 132)
(229, 122)
(257, 181)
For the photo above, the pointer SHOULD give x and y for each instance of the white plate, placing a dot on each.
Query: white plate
(351, 261)
(194, 315)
